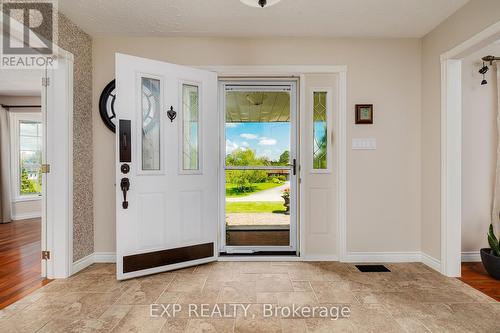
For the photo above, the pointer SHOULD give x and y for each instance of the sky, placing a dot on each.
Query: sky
(266, 139)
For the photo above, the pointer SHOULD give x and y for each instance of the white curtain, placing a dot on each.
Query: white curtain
(5, 178)
(496, 196)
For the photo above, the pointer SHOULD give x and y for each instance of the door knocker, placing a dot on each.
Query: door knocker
(171, 114)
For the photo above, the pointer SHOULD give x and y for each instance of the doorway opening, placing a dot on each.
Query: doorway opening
(22, 183)
(259, 174)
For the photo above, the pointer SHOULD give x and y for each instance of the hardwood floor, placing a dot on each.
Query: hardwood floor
(20, 265)
(474, 274)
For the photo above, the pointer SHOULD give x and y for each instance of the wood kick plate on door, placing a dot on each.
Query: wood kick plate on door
(154, 259)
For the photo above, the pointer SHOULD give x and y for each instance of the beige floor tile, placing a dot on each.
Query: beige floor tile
(253, 326)
(175, 326)
(187, 283)
(143, 292)
(325, 325)
(411, 298)
(329, 292)
(297, 297)
(238, 292)
(138, 319)
(293, 326)
(12, 309)
(273, 283)
(210, 325)
(91, 305)
(301, 286)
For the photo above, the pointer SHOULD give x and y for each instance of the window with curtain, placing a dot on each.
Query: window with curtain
(30, 157)
(26, 155)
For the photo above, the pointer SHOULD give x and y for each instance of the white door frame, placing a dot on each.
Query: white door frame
(451, 147)
(57, 203)
(340, 125)
(294, 143)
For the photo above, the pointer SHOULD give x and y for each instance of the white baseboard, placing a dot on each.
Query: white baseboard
(430, 261)
(96, 257)
(351, 257)
(104, 257)
(82, 263)
(25, 216)
(371, 257)
(319, 257)
(471, 256)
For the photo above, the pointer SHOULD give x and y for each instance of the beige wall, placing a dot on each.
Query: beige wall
(383, 185)
(466, 22)
(479, 145)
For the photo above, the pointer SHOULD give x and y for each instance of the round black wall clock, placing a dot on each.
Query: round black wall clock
(107, 106)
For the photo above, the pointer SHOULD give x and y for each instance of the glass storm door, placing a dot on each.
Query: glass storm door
(166, 166)
(260, 169)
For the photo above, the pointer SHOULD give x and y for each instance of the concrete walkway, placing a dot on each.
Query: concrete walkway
(257, 219)
(272, 194)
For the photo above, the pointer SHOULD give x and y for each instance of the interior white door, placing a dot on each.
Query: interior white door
(168, 219)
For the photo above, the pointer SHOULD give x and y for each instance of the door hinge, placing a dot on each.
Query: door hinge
(45, 255)
(45, 81)
(45, 168)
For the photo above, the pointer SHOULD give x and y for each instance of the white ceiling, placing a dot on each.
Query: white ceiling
(231, 18)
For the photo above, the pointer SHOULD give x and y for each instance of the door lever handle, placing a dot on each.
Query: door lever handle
(294, 166)
(125, 186)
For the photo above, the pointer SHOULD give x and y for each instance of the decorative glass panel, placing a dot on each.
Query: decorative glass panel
(30, 157)
(150, 123)
(320, 137)
(190, 127)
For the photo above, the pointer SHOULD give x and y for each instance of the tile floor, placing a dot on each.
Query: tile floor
(412, 298)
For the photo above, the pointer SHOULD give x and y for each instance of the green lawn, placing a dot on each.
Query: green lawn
(256, 187)
(255, 207)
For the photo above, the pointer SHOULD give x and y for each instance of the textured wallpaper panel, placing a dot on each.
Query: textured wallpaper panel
(74, 40)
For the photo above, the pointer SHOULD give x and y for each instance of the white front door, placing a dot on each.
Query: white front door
(166, 167)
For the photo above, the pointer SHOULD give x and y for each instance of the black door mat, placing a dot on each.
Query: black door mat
(372, 268)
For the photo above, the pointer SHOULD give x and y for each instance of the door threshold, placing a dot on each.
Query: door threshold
(259, 256)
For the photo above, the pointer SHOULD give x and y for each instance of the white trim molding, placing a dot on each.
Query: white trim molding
(432, 262)
(373, 257)
(352, 257)
(104, 257)
(451, 147)
(93, 258)
(471, 256)
(58, 198)
(451, 173)
(320, 257)
(82, 263)
(25, 216)
(340, 126)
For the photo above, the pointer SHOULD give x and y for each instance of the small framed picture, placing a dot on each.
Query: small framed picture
(364, 113)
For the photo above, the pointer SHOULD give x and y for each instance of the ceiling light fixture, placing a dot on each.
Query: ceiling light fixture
(260, 3)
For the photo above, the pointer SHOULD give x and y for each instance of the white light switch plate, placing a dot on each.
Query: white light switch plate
(364, 143)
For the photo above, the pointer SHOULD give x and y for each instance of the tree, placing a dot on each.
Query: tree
(27, 186)
(243, 179)
(284, 158)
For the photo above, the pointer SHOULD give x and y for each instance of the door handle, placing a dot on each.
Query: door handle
(125, 186)
(294, 166)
